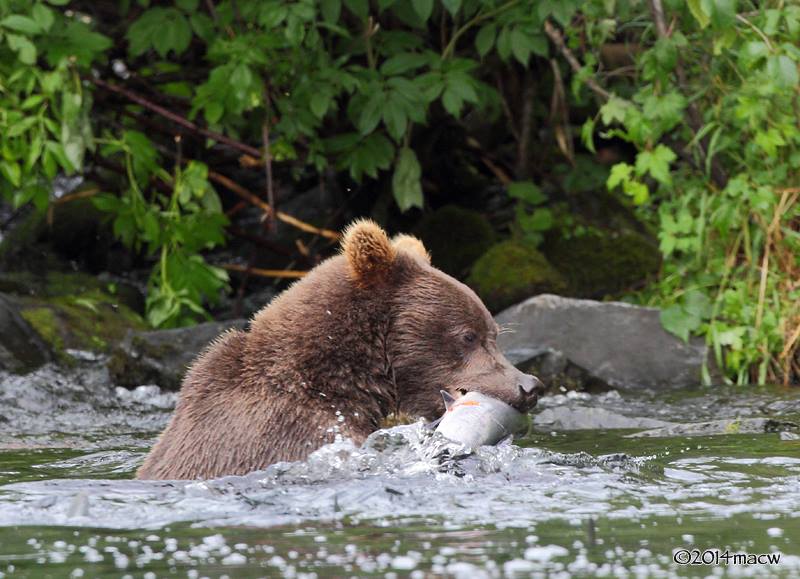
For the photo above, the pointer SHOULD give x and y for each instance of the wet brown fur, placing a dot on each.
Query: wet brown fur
(371, 332)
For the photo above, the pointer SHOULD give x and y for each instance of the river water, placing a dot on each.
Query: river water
(578, 496)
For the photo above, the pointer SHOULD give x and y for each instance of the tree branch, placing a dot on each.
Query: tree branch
(268, 161)
(254, 199)
(174, 117)
(558, 40)
(290, 273)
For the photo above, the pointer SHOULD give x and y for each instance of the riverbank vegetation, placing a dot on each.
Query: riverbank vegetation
(638, 150)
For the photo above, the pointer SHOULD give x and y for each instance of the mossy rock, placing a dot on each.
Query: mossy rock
(92, 320)
(455, 237)
(55, 284)
(21, 348)
(604, 263)
(162, 356)
(511, 271)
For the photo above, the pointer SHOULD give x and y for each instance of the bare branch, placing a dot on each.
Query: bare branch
(558, 40)
(175, 117)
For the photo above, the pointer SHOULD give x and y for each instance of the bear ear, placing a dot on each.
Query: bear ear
(412, 245)
(368, 250)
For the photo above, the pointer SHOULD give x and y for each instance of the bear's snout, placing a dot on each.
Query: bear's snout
(529, 389)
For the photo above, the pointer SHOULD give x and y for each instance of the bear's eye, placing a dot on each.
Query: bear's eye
(470, 337)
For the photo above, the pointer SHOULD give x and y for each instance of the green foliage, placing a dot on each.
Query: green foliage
(717, 177)
(175, 226)
(710, 107)
(44, 110)
(532, 219)
(338, 84)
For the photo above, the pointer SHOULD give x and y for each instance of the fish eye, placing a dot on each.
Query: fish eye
(470, 337)
(462, 391)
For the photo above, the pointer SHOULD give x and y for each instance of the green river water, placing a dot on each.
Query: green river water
(562, 502)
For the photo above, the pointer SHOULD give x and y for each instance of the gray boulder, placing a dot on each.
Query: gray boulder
(602, 343)
(21, 349)
(162, 356)
(591, 418)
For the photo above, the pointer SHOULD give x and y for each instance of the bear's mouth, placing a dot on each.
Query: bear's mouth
(524, 402)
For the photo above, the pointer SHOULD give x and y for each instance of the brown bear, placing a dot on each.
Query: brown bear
(374, 331)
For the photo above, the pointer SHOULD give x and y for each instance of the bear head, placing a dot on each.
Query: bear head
(440, 335)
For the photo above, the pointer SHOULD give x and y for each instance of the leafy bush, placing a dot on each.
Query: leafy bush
(712, 110)
(318, 84)
(706, 94)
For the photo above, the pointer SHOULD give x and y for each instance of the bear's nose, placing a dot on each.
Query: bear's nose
(530, 385)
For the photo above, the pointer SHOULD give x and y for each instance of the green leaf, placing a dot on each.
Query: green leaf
(25, 49)
(213, 112)
(34, 151)
(203, 26)
(520, 46)
(784, 70)
(57, 151)
(504, 43)
(358, 7)
(331, 10)
(406, 182)
(678, 321)
(539, 45)
(452, 102)
(484, 40)
(370, 155)
(636, 190)
(12, 172)
(176, 36)
(614, 110)
(452, 6)
(295, 30)
(106, 202)
(395, 120)
(430, 84)
(696, 8)
(402, 63)
(620, 173)
(539, 221)
(697, 304)
(462, 85)
(371, 113)
(164, 29)
(19, 23)
(319, 103)
(43, 16)
(587, 134)
(423, 8)
(723, 13)
(187, 5)
(527, 191)
(656, 162)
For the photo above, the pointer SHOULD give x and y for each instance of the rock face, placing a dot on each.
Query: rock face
(587, 418)
(616, 344)
(21, 349)
(162, 356)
